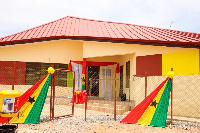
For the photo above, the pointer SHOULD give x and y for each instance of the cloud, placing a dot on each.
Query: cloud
(20, 15)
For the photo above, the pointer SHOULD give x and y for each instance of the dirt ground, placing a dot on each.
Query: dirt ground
(97, 122)
(110, 127)
(134, 128)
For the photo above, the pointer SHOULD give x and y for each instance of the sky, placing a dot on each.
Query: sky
(20, 15)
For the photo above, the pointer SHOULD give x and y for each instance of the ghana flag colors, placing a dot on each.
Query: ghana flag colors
(153, 109)
(31, 103)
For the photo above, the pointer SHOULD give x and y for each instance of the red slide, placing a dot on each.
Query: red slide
(23, 98)
(137, 112)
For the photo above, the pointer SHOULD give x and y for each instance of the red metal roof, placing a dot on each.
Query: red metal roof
(80, 28)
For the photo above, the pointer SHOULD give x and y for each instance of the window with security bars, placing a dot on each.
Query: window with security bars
(128, 74)
(36, 70)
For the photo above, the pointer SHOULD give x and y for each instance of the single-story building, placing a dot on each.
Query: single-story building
(137, 49)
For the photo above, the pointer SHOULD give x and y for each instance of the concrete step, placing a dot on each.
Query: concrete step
(125, 103)
(109, 105)
(105, 106)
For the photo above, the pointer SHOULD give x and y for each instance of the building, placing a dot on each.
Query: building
(137, 49)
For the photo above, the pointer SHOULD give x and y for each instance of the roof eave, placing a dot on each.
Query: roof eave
(106, 39)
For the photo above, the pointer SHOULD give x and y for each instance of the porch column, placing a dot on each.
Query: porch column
(83, 73)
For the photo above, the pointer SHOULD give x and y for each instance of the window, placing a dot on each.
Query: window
(128, 74)
(33, 71)
(36, 71)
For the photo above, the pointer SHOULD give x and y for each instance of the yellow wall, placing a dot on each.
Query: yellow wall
(105, 59)
(127, 52)
(183, 63)
(123, 60)
(99, 49)
(59, 51)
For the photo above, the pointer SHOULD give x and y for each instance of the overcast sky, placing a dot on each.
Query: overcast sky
(19, 15)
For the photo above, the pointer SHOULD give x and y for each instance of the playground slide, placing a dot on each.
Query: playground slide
(153, 109)
(31, 103)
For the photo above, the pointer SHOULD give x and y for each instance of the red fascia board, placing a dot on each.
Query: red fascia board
(101, 39)
(106, 39)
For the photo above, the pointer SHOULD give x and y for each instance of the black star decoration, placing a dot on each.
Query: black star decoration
(153, 103)
(31, 99)
(83, 79)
